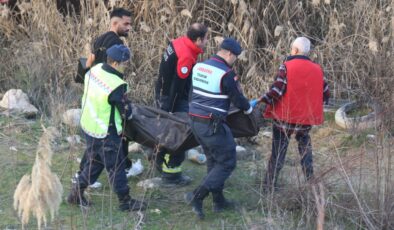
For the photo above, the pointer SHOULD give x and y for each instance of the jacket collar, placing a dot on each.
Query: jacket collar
(289, 58)
(220, 59)
(112, 70)
(193, 47)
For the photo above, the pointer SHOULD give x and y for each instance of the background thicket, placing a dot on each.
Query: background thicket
(352, 40)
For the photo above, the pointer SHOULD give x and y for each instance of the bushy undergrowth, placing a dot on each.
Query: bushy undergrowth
(353, 41)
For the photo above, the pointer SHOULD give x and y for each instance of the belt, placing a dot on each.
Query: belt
(201, 119)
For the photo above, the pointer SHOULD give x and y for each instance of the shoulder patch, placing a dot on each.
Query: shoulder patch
(184, 70)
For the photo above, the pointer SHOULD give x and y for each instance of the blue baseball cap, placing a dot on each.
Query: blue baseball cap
(231, 45)
(119, 53)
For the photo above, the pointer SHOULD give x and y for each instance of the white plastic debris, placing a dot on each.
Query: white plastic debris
(150, 183)
(196, 156)
(240, 149)
(13, 148)
(136, 169)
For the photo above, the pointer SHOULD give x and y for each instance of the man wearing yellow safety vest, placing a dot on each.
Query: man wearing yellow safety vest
(104, 106)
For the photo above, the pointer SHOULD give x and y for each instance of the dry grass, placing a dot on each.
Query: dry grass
(353, 41)
(41, 192)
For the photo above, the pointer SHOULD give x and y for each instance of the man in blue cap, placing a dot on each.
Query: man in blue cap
(215, 86)
(104, 106)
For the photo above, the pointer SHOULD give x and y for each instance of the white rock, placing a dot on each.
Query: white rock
(71, 117)
(267, 134)
(15, 100)
(74, 139)
(150, 183)
(135, 148)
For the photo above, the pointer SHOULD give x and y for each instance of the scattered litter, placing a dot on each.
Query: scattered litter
(150, 183)
(13, 148)
(78, 160)
(240, 149)
(195, 156)
(136, 169)
(156, 210)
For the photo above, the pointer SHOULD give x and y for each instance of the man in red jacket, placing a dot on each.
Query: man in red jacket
(295, 103)
(172, 92)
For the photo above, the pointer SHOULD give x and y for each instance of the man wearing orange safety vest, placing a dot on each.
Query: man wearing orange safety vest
(295, 103)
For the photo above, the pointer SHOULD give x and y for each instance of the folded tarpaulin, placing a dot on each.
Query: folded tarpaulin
(156, 128)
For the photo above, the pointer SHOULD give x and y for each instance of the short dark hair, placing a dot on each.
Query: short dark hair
(120, 12)
(111, 61)
(196, 30)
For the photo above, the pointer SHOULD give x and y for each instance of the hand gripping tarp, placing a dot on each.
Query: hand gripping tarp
(156, 128)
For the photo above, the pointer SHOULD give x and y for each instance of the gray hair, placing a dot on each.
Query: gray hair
(302, 44)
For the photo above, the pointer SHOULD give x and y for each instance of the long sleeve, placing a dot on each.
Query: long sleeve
(278, 88)
(231, 88)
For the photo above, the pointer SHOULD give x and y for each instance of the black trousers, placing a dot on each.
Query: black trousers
(280, 143)
(104, 153)
(219, 147)
(168, 163)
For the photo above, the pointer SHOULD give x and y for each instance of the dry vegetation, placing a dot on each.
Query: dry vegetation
(353, 41)
(40, 193)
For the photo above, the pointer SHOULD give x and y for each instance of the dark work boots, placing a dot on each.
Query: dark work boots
(195, 199)
(175, 180)
(220, 203)
(126, 203)
(76, 197)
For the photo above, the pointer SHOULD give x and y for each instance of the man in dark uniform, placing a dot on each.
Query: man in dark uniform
(172, 92)
(215, 86)
(120, 25)
(104, 106)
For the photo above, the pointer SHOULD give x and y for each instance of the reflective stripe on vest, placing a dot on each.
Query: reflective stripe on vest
(303, 101)
(96, 112)
(207, 95)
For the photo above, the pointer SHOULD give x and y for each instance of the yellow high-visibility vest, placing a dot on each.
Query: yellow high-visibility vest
(96, 110)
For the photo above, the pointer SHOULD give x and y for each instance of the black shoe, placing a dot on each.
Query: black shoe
(196, 204)
(179, 181)
(76, 197)
(220, 203)
(130, 204)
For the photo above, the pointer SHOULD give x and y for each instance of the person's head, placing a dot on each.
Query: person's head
(229, 50)
(300, 46)
(198, 33)
(120, 21)
(118, 57)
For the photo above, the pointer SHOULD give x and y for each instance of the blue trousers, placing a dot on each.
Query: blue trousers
(219, 147)
(105, 153)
